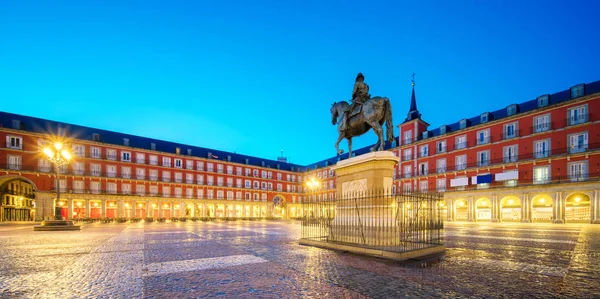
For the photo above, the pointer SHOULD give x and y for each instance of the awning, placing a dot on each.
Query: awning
(481, 179)
(463, 181)
(509, 175)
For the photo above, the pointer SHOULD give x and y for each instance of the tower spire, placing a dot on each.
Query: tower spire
(413, 112)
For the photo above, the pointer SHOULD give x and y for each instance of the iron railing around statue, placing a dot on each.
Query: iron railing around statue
(375, 219)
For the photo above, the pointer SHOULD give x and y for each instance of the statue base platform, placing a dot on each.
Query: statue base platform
(56, 225)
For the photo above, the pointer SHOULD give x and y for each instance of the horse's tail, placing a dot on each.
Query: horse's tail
(389, 126)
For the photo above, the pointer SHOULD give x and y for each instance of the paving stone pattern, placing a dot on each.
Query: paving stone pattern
(262, 259)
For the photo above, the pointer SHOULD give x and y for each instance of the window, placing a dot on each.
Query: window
(484, 117)
(541, 123)
(125, 188)
(578, 142)
(238, 183)
(220, 181)
(96, 137)
(578, 171)
(424, 134)
(423, 168)
(178, 151)
(230, 195)
(279, 176)
(166, 191)
(510, 153)
(140, 173)
(166, 176)
(95, 187)
(152, 146)
(209, 167)
(166, 161)
(577, 115)
(462, 124)
(153, 174)
(189, 193)
(255, 173)
(79, 168)
(443, 129)
(210, 180)
(220, 194)
(541, 148)
(95, 152)
(220, 168)
(407, 154)
(126, 156)
(238, 171)
(408, 137)
(140, 189)
(483, 158)
(511, 110)
(541, 174)
(111, 188)
(229, 182)
(279, 187)
(200, 179)
(229, 169)
(45, 165)
(255, 196)
(510, 130)
(263, 197)
(189, 151)
(111, 171)
(440, 184)
(14, 162)
(238, 195)
(200, 165)
(96, 169)
(270, 186)
(153, 190)
(153, 160)
(79, 150)
(460, 142)
(543, 101)
(126, 141)
(263, 186)
(577, 91)
(407, 169)
(423, 186)
(178, 177)
(111, 154)
(255, 185)
(441, 146)
(247, 196)
(189, 164)
(140, 158)
(14, 142)
(423, 151)
(406, 187)
(440, 165)
(178, 163)
(247, 184)
(483, 136)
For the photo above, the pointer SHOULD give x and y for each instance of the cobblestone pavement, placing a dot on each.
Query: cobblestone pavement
(262, 259)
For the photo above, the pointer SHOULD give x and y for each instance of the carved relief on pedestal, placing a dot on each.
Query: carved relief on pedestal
(354, 186)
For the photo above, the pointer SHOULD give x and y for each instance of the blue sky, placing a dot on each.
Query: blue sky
(257, 77)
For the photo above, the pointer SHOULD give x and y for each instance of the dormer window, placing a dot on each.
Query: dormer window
(577, 91)
(126, 141)
(462, 124)
(425, 134)
(485, 117)
(443, 129)
(153, 146)
(511, 110)
(543, 101)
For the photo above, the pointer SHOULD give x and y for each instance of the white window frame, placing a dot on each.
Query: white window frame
(577, 115)
(578, 171)
(542, 123)
(578, 148)
(14, 142)
(537, 170)
(510, 153)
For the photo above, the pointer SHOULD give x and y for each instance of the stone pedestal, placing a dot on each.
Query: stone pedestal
(56, 225)
(364, 204)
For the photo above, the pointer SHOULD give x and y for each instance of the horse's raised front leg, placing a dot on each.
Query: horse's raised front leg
(337, 145)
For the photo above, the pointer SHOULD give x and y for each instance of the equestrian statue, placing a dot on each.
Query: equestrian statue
(366, 112)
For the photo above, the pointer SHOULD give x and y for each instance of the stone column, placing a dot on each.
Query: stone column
(87, 208)
(472, 211)
(450, 207)
(70, 207)
(595, 207)
(149, 210)
(558, 208)
(103, 208)
(120, 208)
(526, 206)
(182, 210)
(172, 206)
(160, 207)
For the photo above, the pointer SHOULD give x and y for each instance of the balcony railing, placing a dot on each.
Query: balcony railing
(542, 127)
(580, 177)
(440, 150)
(460, 145)
(510, 135)
(484, 140)
(575, 120)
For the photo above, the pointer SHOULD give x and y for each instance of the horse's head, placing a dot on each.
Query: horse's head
(334, 113)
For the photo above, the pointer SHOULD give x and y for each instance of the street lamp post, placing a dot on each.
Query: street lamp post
(58, 156)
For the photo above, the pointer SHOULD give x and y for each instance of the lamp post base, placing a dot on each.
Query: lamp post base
(58, 213)
(56, 225)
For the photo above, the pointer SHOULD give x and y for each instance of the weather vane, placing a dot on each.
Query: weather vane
(413, 79)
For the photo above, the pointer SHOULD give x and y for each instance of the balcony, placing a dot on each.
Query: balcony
(166, 179)
(577, 119)
(407, 175)
(407, 141)
(483, 163)
(441, 169)
(541, 154)
(578, 148)
(154, 178)
(13, 166)
(484, 140)
(178, 180)
(511, 159)
(126, 175)
(510, 135)
(189, 181)
(460, 145)
(111, 174)
(542, 127)
(440, 150)
(423, 154)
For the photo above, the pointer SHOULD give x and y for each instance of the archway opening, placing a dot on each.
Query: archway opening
(510, 209)
(17, 201)
(279, 207)
(462, 210)
(578, 208)
(483, 209)
(443, 210)
(541, 208)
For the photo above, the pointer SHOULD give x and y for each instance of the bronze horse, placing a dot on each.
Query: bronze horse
(374, 113)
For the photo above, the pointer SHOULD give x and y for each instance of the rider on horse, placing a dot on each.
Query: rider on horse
(360, 94)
